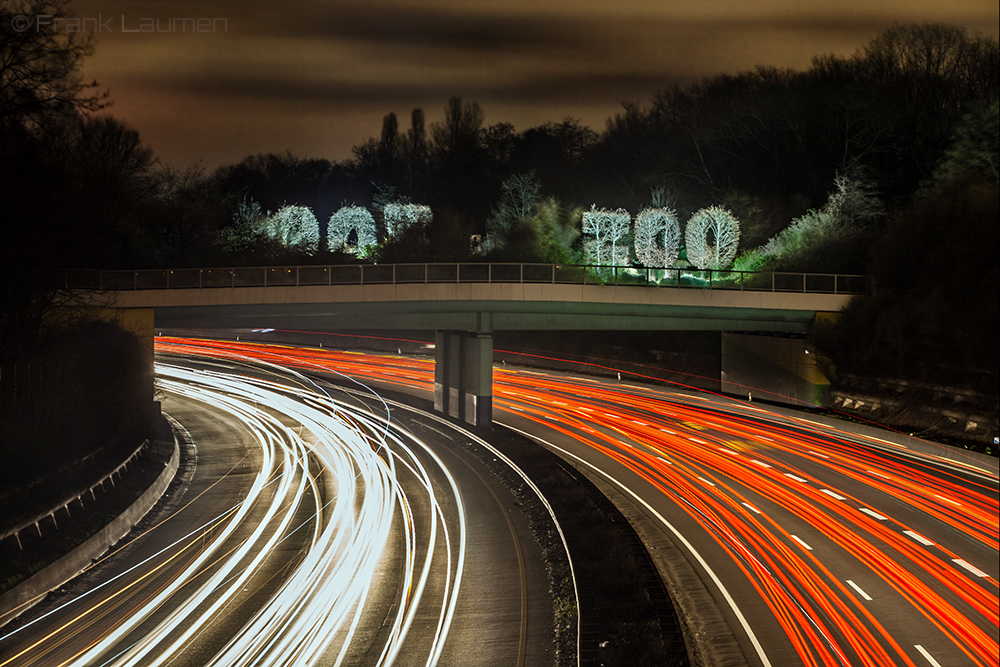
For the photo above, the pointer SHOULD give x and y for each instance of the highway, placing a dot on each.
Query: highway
(314, 527)
(819, 546)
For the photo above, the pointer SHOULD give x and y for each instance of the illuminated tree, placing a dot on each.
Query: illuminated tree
(349, 219)
(823, 239)
(657, 237)
(712, 238)
(605, 229)
(402, 217)
(293, 227)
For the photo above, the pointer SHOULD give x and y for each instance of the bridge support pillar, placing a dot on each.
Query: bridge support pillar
(463, 376)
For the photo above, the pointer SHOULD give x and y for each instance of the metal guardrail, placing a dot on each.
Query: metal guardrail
(75, 498)
(398, 274)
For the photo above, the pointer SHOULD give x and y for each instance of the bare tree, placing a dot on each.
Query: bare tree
(657, 237)
(459, 133)
(414, 151)
(40, 64)
(518, 197)
(605, 229)
(712, 238)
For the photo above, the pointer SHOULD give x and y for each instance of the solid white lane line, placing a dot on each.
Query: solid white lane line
(441, 433)
(873, 514)
(832, 494)
(971, 568)
(680, 537)
(918, 537)
(799, 540)
(930, 659)
(752, 508)
(858, 589)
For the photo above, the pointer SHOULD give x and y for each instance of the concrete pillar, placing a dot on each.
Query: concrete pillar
(463, 376)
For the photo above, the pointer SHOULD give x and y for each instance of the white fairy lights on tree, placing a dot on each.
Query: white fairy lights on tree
(605, 229)
(293, 226)
(349, 219)
(401, 217)
(712, 238)
(657, 237)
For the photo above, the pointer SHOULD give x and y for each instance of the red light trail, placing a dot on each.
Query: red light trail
(743, 475)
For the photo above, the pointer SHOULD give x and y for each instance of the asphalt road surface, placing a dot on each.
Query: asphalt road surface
(817, 546)
(311, 528)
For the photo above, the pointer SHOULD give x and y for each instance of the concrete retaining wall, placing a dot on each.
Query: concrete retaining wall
(22, 597)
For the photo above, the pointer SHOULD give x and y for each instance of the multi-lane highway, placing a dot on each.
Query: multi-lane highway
(819, 546)
(313, 528)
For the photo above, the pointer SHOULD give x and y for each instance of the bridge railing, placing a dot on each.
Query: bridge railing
(382, 274)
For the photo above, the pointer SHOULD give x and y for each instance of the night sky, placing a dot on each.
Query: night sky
(316, 78)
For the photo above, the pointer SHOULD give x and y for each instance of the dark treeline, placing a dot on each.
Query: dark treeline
(828, 169)
(768, 144)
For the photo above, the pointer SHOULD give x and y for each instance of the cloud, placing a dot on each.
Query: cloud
(345, 64)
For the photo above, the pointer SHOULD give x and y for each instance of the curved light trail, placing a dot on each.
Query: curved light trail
(860, 553)
(355, 477)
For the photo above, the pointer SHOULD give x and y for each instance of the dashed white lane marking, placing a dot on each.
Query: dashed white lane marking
(918, 537)
(752, 508)
(796, 478)
(706, 481)
(700, 442)
(832, 494)
(665, 461)
(873, 514)
(761, 463)
(948, 500)
(728, 451)
(822, 456)
(877, 474)
(971, 568)
(858, 589)
(930, 659)
(799, 540)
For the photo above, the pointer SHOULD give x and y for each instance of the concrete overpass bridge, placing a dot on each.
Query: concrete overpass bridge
(466, 303)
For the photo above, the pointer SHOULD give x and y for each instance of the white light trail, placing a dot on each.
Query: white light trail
(360, 479)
